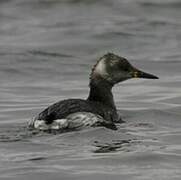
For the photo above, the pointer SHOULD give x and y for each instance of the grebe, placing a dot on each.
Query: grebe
(99, 108)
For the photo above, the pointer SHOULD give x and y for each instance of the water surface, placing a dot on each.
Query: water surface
(47, 48)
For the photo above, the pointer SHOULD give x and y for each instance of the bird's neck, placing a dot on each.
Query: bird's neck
(101, 91)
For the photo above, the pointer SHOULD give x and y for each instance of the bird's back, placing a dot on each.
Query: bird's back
(63, 108)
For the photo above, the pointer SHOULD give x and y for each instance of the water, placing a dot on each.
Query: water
(47, 48)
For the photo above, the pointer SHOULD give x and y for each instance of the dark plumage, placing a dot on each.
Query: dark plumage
(62, 109)
(109, 70)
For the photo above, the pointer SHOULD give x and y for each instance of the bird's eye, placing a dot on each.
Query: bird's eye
(125, 66)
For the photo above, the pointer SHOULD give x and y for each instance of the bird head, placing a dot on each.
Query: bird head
(115, 69)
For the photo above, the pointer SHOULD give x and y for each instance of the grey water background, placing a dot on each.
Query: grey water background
(47, 49)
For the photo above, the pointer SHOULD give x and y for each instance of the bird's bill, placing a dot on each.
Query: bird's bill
(141, 74)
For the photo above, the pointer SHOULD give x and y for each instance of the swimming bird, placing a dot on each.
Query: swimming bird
(99, 108)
